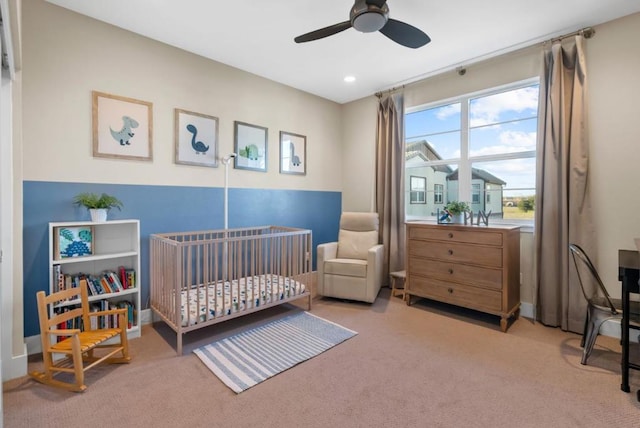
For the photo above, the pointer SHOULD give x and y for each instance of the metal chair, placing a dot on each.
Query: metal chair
(601, 306)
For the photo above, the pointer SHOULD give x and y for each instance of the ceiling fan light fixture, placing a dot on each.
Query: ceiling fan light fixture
(369, 22)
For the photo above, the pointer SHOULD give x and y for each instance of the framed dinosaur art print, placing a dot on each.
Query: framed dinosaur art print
(293, 153)
(250, 146)
(196, 137)
(122, 127)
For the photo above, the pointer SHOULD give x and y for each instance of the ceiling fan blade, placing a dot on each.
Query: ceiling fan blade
(405, 34)
(377, 3)
(323, 32)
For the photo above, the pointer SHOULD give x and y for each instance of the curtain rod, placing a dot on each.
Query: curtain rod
(587, 33)
(388, 91)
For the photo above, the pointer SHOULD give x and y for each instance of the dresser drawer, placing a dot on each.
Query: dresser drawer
(453, 234)
(456, 252)
(466, 274)
(456, 294)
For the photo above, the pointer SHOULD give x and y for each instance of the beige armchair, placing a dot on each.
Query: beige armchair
(352, 268)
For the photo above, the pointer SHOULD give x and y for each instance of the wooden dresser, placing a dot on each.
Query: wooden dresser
(476, 267)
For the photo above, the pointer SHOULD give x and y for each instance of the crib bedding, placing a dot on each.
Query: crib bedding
(229, 297)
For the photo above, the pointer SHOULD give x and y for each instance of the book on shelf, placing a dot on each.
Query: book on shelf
(105, 283)
(127, 277)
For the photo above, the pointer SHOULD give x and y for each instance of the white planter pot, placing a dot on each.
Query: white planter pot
(457, 218)
(98, 215)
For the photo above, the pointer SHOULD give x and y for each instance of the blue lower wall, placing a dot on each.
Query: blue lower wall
(164, 209)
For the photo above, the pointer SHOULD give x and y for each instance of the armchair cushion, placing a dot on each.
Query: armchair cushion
(355, 245)
(346, 267)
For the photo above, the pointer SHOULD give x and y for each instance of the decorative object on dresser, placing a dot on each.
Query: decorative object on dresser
(352, 268)
(454, 213)
(475, 267)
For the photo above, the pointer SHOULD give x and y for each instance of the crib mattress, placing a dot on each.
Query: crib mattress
(225, 298)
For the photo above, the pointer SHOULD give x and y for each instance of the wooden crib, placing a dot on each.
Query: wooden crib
(206, 277)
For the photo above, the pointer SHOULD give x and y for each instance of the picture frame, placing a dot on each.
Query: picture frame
(250, 145)
(73, 241)
(293, 153)
(196, 139)
(122, 127)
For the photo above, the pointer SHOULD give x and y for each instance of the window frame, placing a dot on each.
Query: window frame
(465, 162)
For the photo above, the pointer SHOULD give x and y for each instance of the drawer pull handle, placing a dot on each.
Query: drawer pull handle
(451, 271)
(450, 235)
(450, 290)
(450, 252)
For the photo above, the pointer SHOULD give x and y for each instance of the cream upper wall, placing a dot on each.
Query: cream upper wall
(67, 55)
(359, 155)
(613, 61)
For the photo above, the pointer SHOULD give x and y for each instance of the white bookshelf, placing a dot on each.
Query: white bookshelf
(114, 243)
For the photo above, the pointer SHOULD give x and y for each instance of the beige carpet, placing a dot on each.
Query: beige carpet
(421, 366)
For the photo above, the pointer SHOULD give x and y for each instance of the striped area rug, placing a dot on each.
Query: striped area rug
(246, 359)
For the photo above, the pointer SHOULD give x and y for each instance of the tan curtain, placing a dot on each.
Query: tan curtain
(563, 208)
(389, 195)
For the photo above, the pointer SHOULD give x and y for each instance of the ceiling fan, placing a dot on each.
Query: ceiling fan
(368, 16)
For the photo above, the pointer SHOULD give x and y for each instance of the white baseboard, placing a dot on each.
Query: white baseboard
(16, 366)
(611, 328)
(146, 316)
(526, 310)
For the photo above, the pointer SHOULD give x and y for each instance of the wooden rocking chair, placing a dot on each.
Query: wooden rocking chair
(81, 348)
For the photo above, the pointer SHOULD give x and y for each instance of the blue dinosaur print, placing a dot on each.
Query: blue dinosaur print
(198, 146)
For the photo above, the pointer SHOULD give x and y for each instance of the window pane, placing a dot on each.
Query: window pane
(509, 187)
(512, 137)
(424, 205)
(438, 128)
(433, 121)
(503, 123)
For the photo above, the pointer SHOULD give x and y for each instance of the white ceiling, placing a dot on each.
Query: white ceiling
(257, 35)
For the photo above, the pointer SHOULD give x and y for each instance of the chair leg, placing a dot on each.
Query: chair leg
(78, 365)
(594, 330)
(586, 325)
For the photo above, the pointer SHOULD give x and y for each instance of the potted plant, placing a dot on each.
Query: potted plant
(98, 205)
(457, 209)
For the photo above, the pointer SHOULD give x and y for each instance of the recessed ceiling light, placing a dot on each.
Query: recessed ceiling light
(350, 79)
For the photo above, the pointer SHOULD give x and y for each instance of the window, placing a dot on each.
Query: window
(438, 192)
(479, 147)
(418, 192)
(475, 193)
